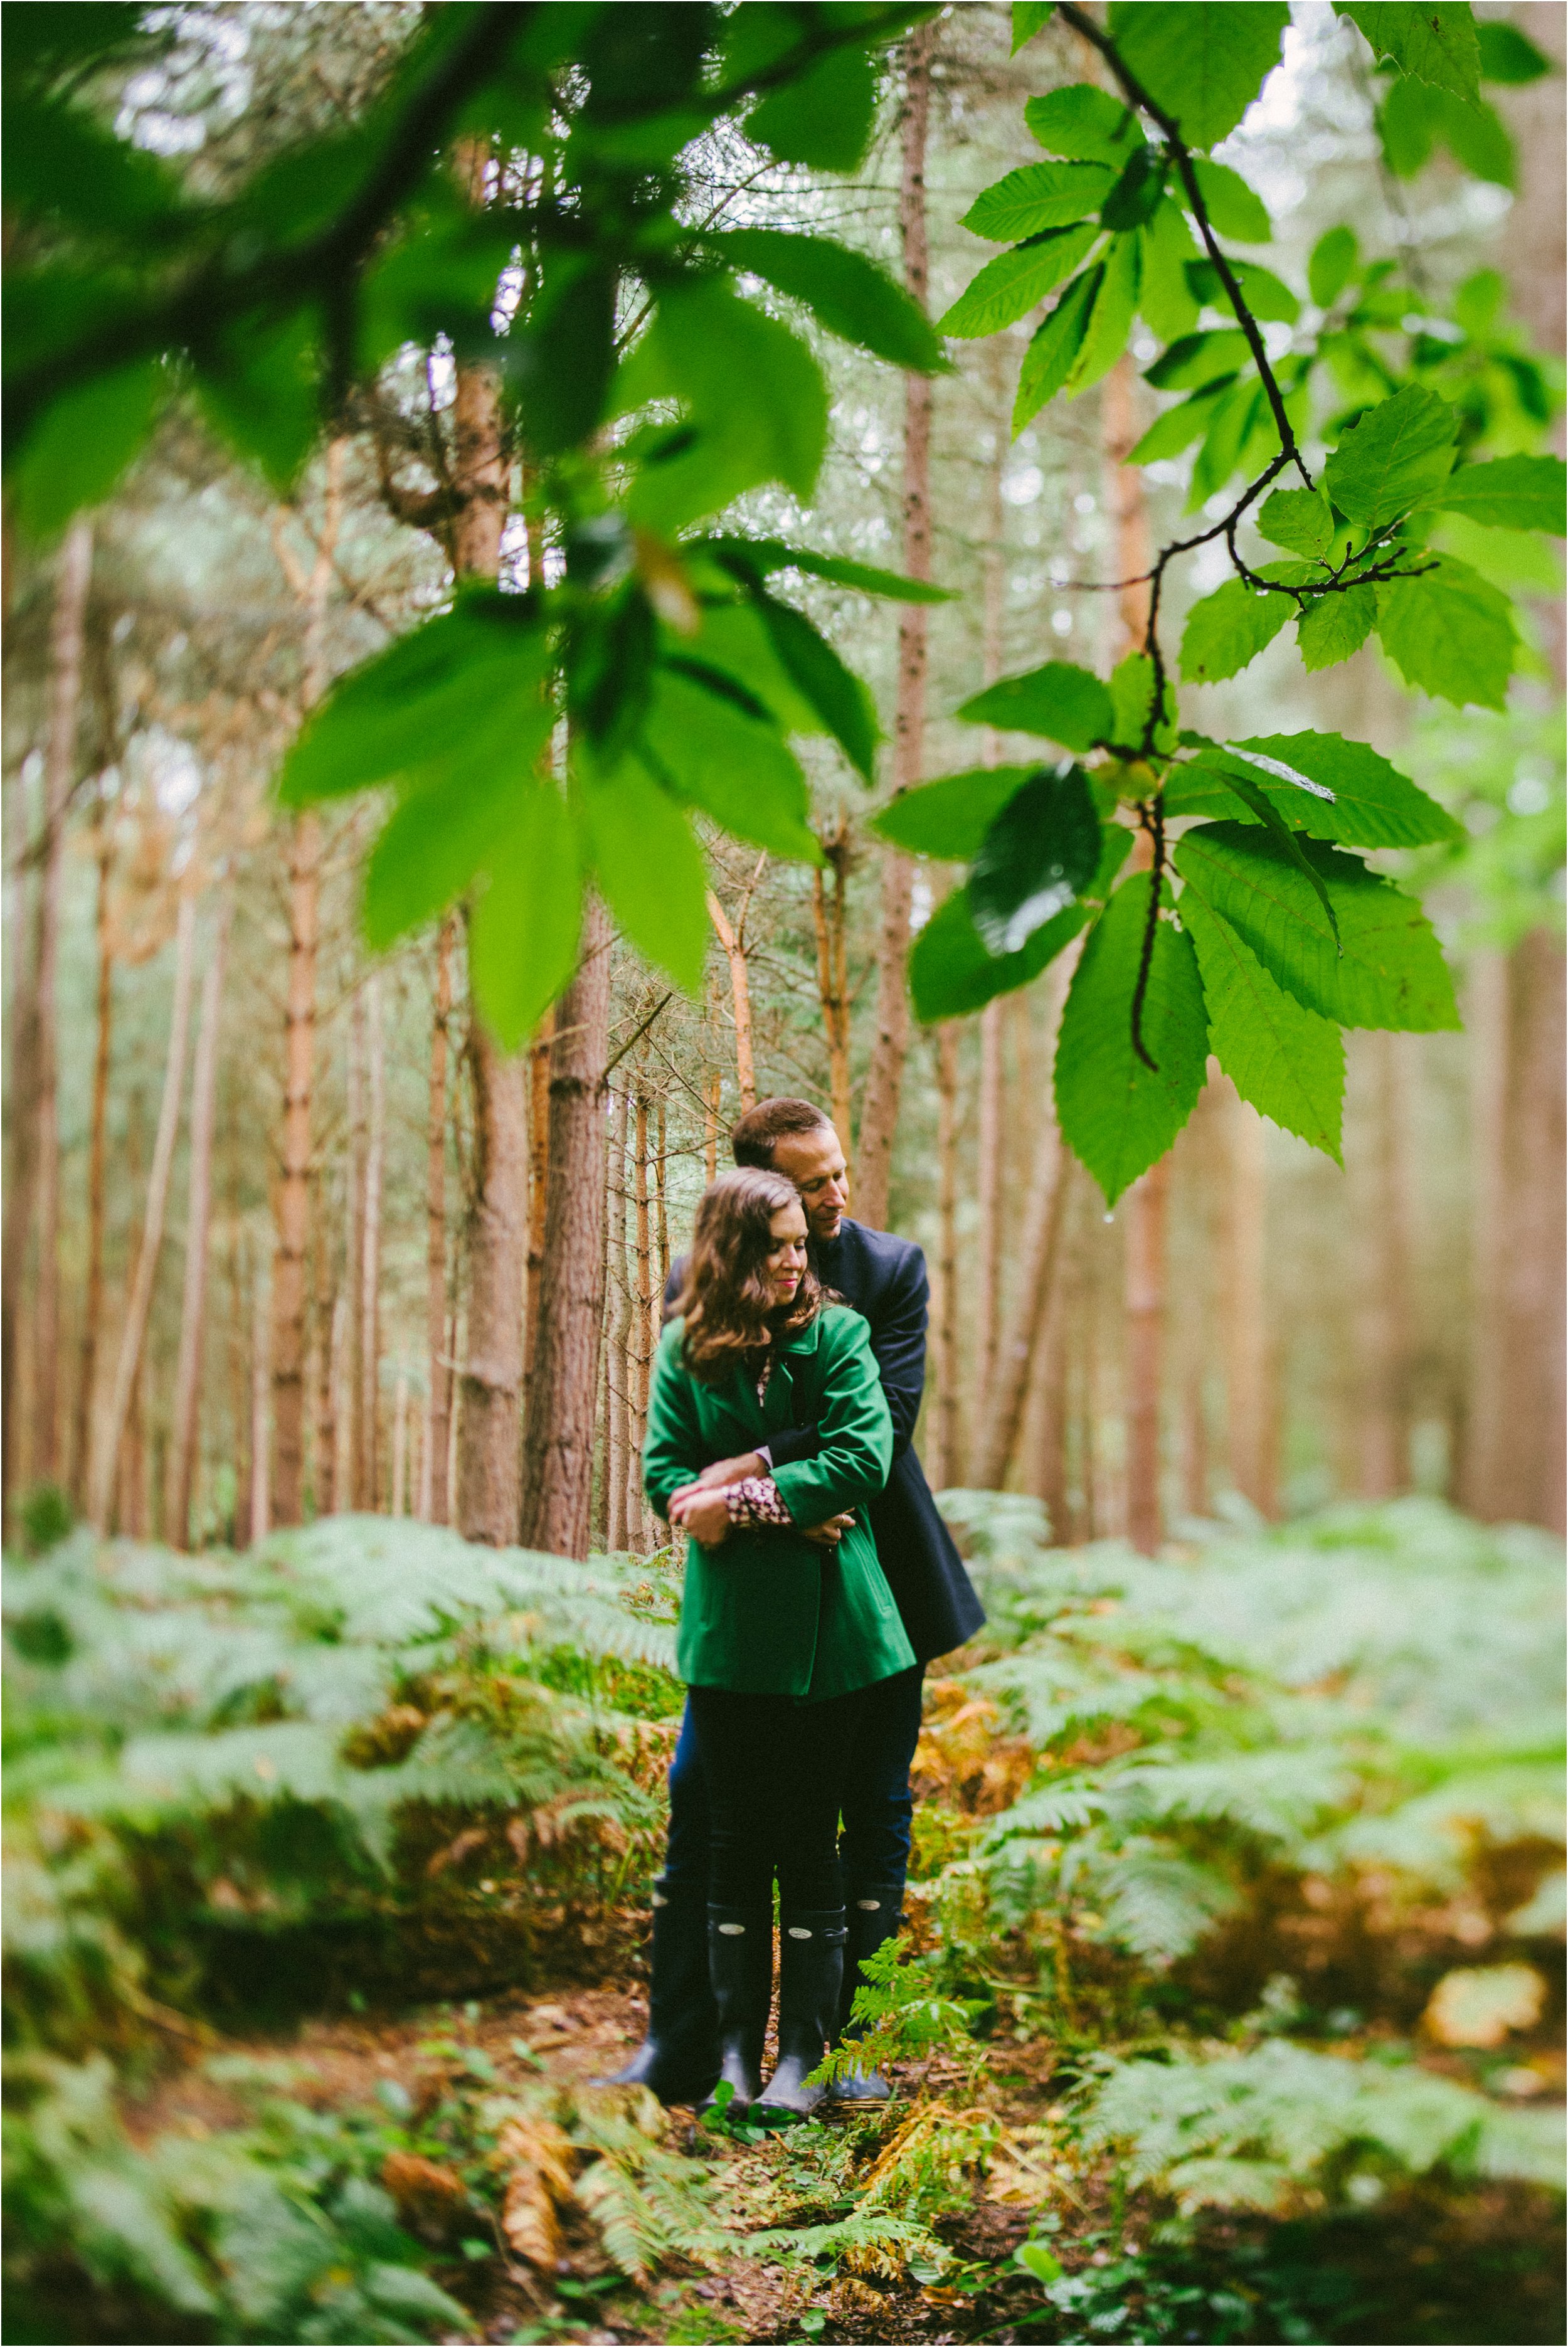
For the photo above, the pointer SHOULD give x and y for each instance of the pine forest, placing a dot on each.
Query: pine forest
(575, 567)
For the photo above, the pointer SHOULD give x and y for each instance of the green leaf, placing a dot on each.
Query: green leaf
(756, 397)
(845, 290)
(1110, 318)
(1230, 430)
(840, 700)
(706, 750)
(1039, 856)
(1228, 628)
(523, 932)
(1507, 55)
(1008, 287)
(824, 118)
(1198, 359)
(1055, 346)
(1204, 61)
(259, 386)
(1140, 187)
(1450, 633)
(1117, 1115)
(1393, 458)
(1083, 124)
(1131, 699)
(1334, 626)
(1058, 702)
(759, 557)
(1265, 295)
(1413, 118)
(1390, 972)
(1332, 265)
(1235, 209)
(649, 866)
(733, 639)
(1030, 17)
(76, 453)
(1298, 519)
(1436, 41)
(1180, 425)
(949, 819)
(1165, 298)
(455, 688)
(1038, 195)
(441, 835)
(1268, 814)
(559, 357)
(1037, 2259)
(1284, 1059)
(1369, 804)
(1509, 493)
(951, 974)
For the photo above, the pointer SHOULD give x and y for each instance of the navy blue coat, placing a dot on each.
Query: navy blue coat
(884, 1278)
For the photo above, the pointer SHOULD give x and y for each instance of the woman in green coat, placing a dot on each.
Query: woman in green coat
(780, 1635)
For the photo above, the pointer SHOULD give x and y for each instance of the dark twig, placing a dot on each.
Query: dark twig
(1152, 817)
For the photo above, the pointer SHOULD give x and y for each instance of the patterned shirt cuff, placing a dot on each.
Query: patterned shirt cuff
(756, 1500)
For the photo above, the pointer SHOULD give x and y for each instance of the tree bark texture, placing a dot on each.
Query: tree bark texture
(640, 1363)
(134, 1334)
(833, 980)
(559, 1441)
(261, 1383)
(492, 1371)
(369, 1495)
(885, 1075)
(1002, 1411)
(946, 1449)
(538, 1179)
(185, 1443)
(734, 940)
(620, 1292)
(988, 1201)
(323, 1307)
(433, 1493)
(97, 1153)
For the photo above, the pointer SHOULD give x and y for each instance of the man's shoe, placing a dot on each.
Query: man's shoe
(679, 2058)
(873, 1920)
(811, 1975)
(741, 1969)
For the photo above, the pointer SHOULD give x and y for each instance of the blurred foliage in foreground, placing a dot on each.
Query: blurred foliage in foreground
(1249, 1860)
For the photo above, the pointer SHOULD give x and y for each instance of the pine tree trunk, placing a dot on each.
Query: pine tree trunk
(97, 1153)
(492, 1372)
(1145, 1306)
(946, 1448)
(884, 1076)
(433, 1502)
(662, 1221)
(833, 980)
(184, 1450)
(261, 1383)
(134, 1334)
(734, 945)
(538, 1180)
(399, 1504)
(325, 1306)
(620, 1332)
(559, 1441)
(642, 1310)
(1382, 1181)
(1247, 1398)
(351, 1471)
(989, 1189)
(33, 1177)
(370, 1291)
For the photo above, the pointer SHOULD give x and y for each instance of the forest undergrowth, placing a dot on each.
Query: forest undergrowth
(1229, 2006)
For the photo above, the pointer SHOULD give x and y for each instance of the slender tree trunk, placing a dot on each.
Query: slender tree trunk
(733, 941)
(340, 1380)
(641, 1324)
(946, 1449)
(1486, 1026)
(351, 1432)
(1145, 1306)
(833, 977)
(370, 1291)
(989, 1188)
(538, 1180)
(33, 1177)
(616, 1351)
(710, 1124)
(662, 1218)
(325, 1308)
(492, 1372)
(261, 1383)
(400, 1445)
(558, 1442)
(433, 1504)
(884, 1076)
(97, 1153)
(1050, 1482)
(184, 1449)
(1383, 1298)
(1247, 1400)
(140, 1304)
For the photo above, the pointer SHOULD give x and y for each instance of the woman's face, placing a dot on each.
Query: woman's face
(784, 1263)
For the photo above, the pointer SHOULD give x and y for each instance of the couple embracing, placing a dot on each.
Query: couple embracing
(820, 1580)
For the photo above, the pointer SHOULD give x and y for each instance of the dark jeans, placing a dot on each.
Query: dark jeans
(773, 1771)
(874, 1796)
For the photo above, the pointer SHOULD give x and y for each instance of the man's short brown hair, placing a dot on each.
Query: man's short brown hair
(753, 1138)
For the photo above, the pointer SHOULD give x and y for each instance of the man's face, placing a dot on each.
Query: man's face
(813, 1161)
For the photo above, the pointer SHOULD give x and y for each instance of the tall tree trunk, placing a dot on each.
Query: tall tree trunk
(641, 1325)
(185, 1445)
(616, 1351)
(492, 1371)
(369, 1496)
(559, 1441)
(1248, 1405)
(1382, 1183)
(292, 1199)
(538, 1182)
(400, 1445)
(324, 1306)
(134, 1334)
(989, 1198)
(1049, 1479)
(1145, 1306)
(260, 1382)
(433, 1503)
(662, 1222)
(833, 977)
(34, 1174)
(97, 1153)
(946, 1449)
(884, 1076)
(351, 1434)
(733, 941)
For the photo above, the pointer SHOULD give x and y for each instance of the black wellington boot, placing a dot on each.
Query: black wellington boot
(740, 1968)
(811, 1975)
(874, 1919)
(679, 2058)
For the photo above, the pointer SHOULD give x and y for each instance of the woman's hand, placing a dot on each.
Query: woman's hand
(703, 1515)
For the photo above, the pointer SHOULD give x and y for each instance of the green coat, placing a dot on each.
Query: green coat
(767, 1613)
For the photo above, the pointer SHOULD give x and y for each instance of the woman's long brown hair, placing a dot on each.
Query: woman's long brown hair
(726, 1301)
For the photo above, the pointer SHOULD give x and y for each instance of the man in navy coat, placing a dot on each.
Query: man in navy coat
(884, 1278)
